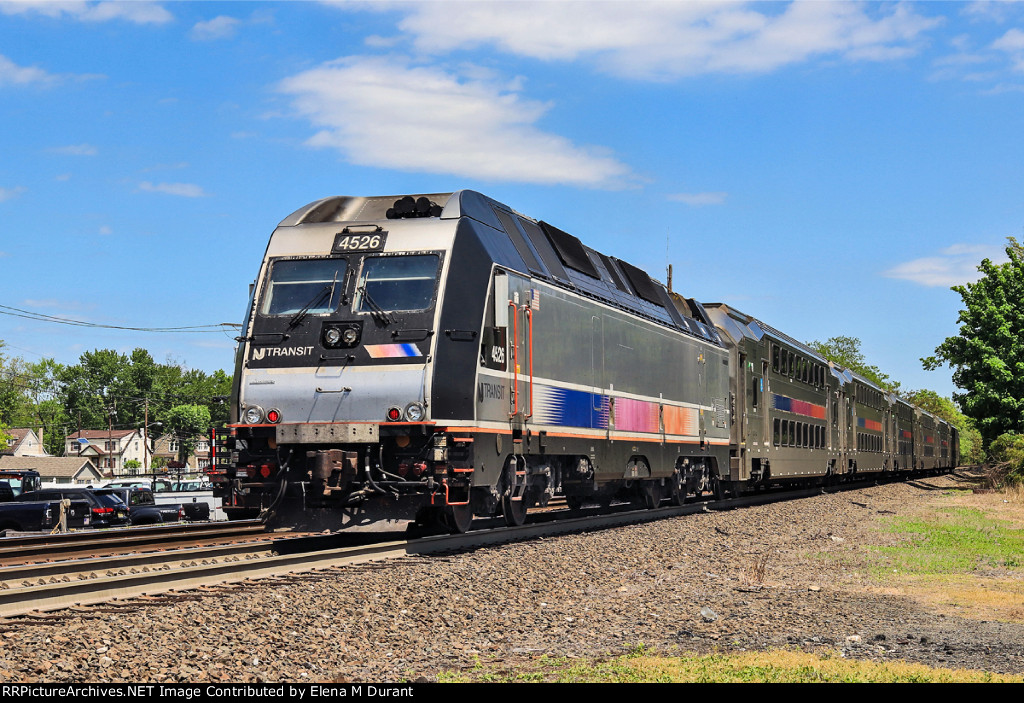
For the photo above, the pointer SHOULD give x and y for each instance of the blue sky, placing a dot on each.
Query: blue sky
(831, 168)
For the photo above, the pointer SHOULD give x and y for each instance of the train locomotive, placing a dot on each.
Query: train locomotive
(430, 358)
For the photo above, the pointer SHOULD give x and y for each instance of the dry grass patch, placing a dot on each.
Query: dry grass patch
(961, 553)
(771, 666)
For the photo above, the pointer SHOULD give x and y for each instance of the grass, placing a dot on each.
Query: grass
(963, 555)
(956, 540)
(773, 666)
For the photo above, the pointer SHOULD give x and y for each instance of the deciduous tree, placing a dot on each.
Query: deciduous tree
(188, 423)
(987, 356)
(845, 351)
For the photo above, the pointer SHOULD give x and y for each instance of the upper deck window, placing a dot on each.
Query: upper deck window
(313, 285)
(397, 283)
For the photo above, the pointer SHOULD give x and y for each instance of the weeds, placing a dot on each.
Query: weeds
(772, 666)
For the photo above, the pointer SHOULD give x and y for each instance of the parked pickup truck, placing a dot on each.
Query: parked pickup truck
(43, 516)
(143, 508)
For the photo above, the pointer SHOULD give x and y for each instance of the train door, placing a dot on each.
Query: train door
(745, 400)
(839, 416)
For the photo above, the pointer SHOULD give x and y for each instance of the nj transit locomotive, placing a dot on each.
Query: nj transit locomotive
(435, 357)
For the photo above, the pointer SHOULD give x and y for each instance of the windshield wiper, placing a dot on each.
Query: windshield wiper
(297, 317)
(376, 311)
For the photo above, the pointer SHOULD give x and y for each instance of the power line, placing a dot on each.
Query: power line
(39, 317)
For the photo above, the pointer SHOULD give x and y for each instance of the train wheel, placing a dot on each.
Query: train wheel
(514, 511)
(457, 518)
(574, 502)
(651, 492)
(678, 488)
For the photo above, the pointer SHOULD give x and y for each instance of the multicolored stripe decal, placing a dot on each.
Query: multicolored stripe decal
(798, 407)
(572, 408)
(392, 351)
(564, 406)
(869, 424)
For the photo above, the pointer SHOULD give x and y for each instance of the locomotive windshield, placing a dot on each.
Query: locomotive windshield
(397, 283)
(309, 285)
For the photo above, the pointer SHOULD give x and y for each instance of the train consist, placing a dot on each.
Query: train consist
(436, 357)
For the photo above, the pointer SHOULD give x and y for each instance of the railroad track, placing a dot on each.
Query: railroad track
(26, 549)
(34, 589)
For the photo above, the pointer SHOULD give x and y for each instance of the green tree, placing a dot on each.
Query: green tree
(188, 423)
(970, 439)
(14, 406)
(987, 356)
(47, 408)
(845, 351)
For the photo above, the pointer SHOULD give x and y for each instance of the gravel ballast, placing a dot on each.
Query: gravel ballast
(746, 579)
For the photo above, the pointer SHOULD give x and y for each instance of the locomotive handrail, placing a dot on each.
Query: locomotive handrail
(515, 359)
(529, 316)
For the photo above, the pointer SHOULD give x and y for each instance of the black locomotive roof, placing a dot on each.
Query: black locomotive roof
(538, 249)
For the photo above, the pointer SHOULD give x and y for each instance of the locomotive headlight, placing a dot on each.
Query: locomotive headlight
(414, 412)
(332, 336)
(342, 335)
(253, 415)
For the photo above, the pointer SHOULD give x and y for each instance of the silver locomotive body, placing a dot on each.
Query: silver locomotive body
(436, 357)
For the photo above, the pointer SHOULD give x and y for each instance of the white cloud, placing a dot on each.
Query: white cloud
(186, 190)
(13, 74)
(699, 199)
(388, 114)
(953, 266)
(1013, 40)
(1012, 43)
(75, 150)
(9, 193)
(222, 27)
(656, 40)
(137, 11)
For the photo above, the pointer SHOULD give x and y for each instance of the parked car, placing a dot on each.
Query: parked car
(21, 516)
(143, 508)
(107, 509)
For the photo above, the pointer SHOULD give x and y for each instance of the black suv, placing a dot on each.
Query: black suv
(108, 510)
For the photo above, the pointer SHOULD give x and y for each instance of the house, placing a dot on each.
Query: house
(24, 442)
(56, 469)
(167, 446)
(111, 449)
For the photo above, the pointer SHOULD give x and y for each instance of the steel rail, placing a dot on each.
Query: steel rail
(201, 568)
(123, 539)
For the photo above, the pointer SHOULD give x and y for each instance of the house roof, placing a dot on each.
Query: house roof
(101, 434)
(49, 466)
(17, 435)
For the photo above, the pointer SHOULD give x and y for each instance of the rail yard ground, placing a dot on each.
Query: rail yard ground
(923, 573)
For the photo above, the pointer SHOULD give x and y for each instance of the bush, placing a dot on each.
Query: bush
(1006, 459)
